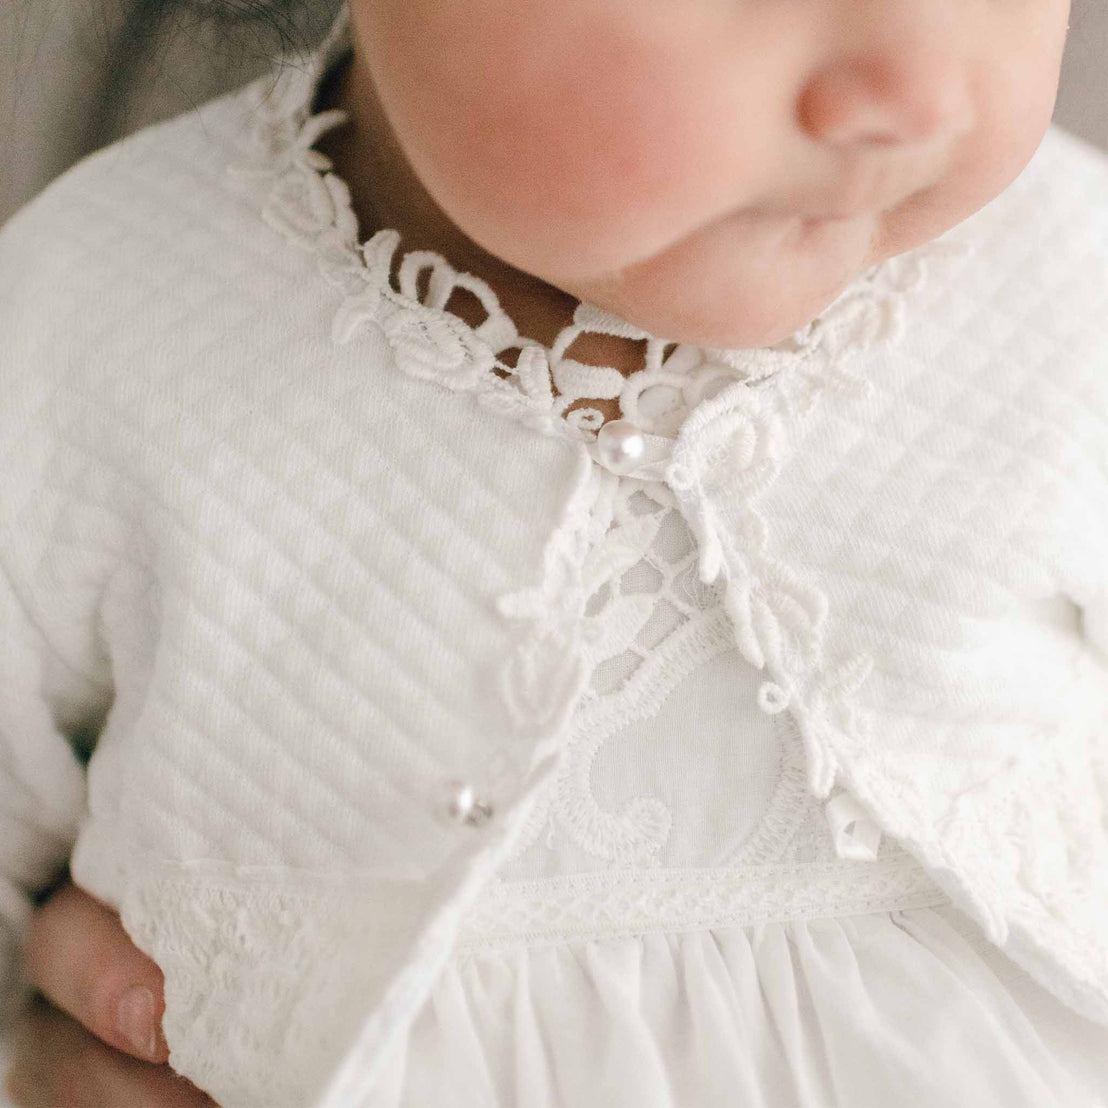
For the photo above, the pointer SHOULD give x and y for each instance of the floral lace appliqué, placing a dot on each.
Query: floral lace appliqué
(407, 297)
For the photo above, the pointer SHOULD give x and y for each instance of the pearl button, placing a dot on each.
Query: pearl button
(620, 445)
(455, 802)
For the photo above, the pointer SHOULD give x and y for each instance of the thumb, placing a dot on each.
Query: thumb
(81, 959)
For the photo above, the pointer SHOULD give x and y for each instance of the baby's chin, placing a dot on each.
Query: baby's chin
(739, 287)
(742, 323)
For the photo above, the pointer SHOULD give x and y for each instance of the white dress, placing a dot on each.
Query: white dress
(678, 928)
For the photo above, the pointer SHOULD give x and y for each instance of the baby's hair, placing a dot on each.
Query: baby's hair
(207, 45)
(234, 11)
(240, 31)
(286, 25)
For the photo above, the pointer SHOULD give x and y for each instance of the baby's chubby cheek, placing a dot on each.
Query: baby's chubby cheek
(647, 155)
(565, 138)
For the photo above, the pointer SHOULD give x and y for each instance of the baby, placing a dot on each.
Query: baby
(582, 599)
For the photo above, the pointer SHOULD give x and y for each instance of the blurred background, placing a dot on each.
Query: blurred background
(1083, 98)
(76, 74)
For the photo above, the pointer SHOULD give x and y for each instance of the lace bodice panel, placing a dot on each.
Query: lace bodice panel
(671, 762)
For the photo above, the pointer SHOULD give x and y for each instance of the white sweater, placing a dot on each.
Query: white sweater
(306, 551)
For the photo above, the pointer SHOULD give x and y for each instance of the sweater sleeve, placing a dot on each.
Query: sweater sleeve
(54, 674)
(41, 785)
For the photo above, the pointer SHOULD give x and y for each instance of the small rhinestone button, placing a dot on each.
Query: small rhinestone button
(455, 803)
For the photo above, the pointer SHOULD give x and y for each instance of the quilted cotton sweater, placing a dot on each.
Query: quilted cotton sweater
(310, 555)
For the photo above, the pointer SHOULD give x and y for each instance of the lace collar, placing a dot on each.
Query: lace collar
(311, 206)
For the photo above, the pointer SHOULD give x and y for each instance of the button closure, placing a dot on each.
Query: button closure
(620, 445)
(455, 802)
(855, 835)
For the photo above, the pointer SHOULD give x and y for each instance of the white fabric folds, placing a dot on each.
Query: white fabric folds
(866, 1012)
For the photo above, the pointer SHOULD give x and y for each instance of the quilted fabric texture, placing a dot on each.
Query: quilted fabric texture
(291, 547)
(970, 479)
(272, 523)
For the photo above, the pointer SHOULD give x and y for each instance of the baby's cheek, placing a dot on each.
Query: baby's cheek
(568, 155)
(1016, 95)
(597, 154)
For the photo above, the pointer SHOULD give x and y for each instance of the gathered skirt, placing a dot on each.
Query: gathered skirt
(904, 1009)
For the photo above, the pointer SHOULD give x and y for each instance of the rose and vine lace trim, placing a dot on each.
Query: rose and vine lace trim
(310, 205)
(729, 453)
(648, 624)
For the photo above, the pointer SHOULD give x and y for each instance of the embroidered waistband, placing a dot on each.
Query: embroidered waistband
(609, 904)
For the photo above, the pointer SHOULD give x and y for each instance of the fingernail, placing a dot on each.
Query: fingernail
(136, 1020)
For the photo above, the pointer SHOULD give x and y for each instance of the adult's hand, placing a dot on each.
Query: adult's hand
(94, 1039)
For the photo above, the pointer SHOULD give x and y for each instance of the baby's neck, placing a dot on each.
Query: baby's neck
(386, 193)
